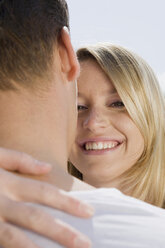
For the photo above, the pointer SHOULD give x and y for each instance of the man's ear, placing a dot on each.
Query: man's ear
(69, 63)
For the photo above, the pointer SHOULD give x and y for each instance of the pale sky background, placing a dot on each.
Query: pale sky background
(136, 24)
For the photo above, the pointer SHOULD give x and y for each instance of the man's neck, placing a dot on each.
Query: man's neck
(24, 126)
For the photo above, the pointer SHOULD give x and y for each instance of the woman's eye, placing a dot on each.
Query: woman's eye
(81, 107)
(117, 104)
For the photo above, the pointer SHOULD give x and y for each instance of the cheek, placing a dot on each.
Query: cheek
(79, 128)
(134, 138)
(138, 141)
(75, 155)
(72, 116)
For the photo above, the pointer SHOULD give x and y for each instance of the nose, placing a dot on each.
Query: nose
(96, 121)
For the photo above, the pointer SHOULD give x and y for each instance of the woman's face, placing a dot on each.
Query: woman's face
(108, 142)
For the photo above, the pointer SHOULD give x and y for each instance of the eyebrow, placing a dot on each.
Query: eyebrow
(112, 92)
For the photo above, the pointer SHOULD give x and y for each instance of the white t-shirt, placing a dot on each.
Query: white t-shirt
(119, 221)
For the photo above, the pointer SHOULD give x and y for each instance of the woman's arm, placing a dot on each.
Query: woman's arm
(14, 190)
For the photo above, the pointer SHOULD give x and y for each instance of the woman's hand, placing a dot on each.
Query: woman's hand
(23, 163)
(15, 190)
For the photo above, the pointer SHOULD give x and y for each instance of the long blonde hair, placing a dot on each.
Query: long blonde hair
(139, 90)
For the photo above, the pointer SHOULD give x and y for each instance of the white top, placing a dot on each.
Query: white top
(119, 221)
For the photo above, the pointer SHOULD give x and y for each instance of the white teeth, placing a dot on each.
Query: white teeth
(99, 145)
(105, 146)
(110, 145)
(94, 146)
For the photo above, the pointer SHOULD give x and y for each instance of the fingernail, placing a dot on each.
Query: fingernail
(43, 164)
(86, 209)
(82, 242)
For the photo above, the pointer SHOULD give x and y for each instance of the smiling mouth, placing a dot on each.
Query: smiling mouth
(98, 146)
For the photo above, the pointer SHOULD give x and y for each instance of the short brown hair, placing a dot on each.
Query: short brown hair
(28, 31)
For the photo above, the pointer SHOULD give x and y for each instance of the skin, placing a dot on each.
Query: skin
(25, 115)
(102, 117)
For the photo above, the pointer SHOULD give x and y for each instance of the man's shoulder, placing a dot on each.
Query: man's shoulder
(119, 221)
(110, 197)
(122, 221)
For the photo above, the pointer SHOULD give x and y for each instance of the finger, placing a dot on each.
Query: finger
(49, 195)
(40, 221)
(22, 162)
(11, 237)
(44, 193)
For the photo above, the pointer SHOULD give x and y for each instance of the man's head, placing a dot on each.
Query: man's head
(37, 66)
(28, 32)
